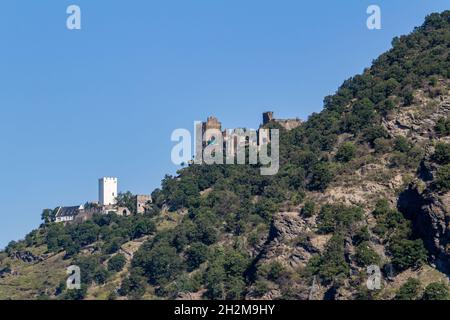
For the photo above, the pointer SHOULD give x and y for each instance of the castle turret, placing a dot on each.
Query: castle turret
(267, 117)
(107, 189)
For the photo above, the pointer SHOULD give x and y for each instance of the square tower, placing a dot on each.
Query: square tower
(107, 191)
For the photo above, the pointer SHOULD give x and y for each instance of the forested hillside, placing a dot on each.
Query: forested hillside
(364, 182)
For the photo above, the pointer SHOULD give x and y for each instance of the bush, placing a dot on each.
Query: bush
(346, 152)
(409, 159)
(224, 277)
(338, 218)
(333, 263)
(436, 291)
(409, 290)
(443, 178)
(365, 255)
(443, 127)
(260, 288)
(442, 153)
(76, 294)
(90, 268)
(142, 226)
(308, 209)
(322, 175)
(408, 254)
(112, 246)
(374, 133)
(133, 286)
(408, 99)
(117, 263)
(161, 264)
(401, 144)
(196, 255)
(101, 275)
(382, 146)
(275, 271)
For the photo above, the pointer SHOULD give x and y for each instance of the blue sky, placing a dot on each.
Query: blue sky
(103, 101)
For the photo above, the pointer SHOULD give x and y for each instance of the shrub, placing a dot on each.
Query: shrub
(322, 175)
(409, 159)
(382, 146)
(196, 255)
(408, 99)
(101, 275)
(443, 127)
(436, 291)
(161, 264)
(332, 263)
(338, 217)
(117, 263)
(133, 286)
(275, 271)
(443, 178)
(346, 152)
(224, 277)
(361, 235)
(401, 144)
(260, 288)
(409, 290)
(365, 255)
(442, 153)
(408, 254)
(308, 209)
(374, 133)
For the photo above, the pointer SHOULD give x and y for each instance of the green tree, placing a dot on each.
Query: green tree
(443, 126)
(142, 226)
(48, 215)
(436, 291)
(127, 200)
(401, 144)
(101, 275)
(409, 290)
(442, 153)
(408, 253)
(443, 178)
(346, 152)
(308, 209)
(196, 255)
(117, 262)
(133, 286)
(322, 174)
(331, 264)
(161, 264)
(365, 255)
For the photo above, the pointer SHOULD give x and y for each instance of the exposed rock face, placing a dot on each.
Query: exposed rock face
(418, 121)
(5, 271)
(431, 221)
(27, 257)
(290, 244)
(428, 211)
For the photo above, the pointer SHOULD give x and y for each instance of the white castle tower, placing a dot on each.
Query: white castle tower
(107, 189)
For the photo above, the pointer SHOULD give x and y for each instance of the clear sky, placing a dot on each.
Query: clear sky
(104, 100)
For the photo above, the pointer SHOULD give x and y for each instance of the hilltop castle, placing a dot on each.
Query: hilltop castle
(107, 202)
(231, 137)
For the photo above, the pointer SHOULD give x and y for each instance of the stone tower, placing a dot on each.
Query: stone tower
(267, 117)
(107, 190)
(210, 129)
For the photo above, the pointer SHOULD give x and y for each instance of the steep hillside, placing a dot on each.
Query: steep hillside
(364, 182)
